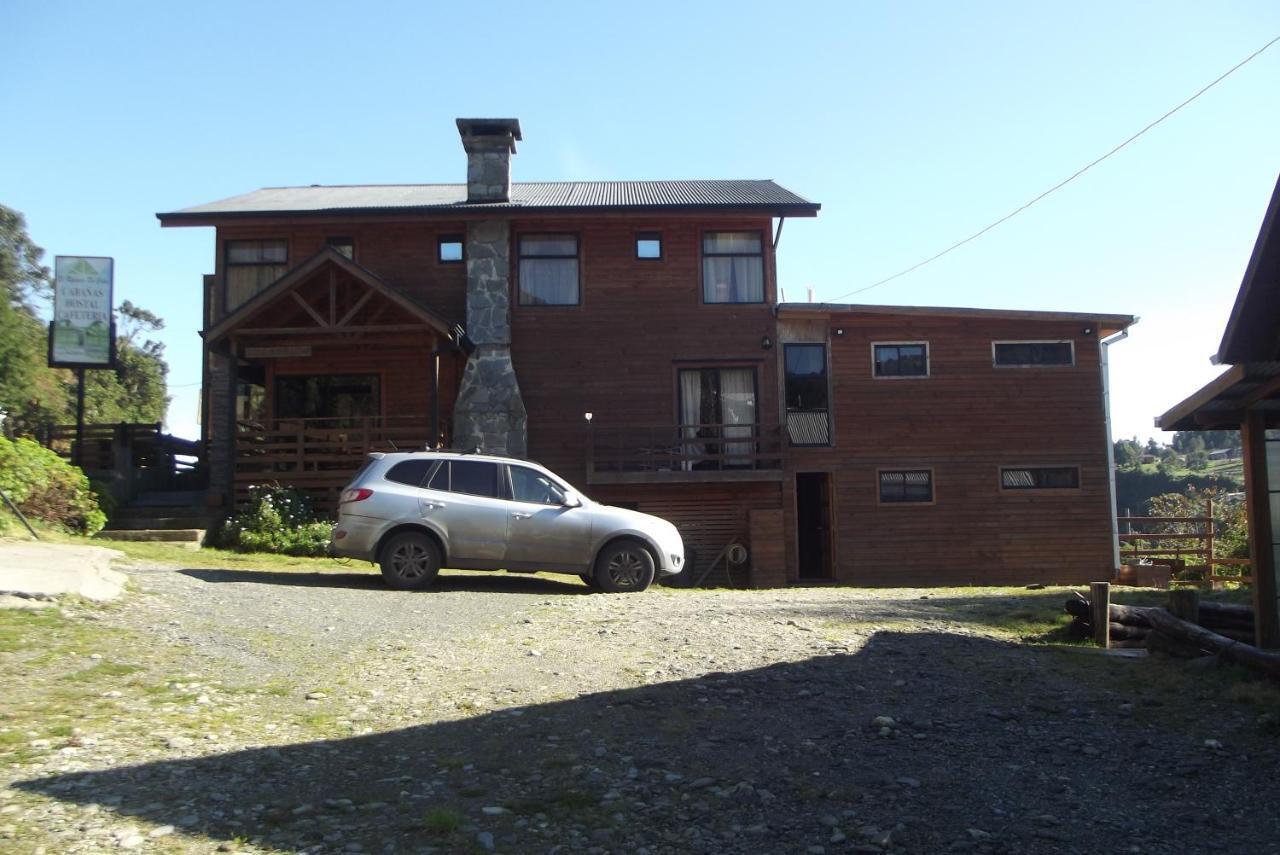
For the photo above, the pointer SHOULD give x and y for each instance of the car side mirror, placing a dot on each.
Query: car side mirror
(571, 500)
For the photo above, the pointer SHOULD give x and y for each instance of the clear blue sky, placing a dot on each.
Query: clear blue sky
(914, 124)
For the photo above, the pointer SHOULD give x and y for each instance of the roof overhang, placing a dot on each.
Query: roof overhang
(1253, 330)
(1223, 402)
(1104, 325)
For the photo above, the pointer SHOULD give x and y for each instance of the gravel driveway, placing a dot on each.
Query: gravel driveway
(280, 711)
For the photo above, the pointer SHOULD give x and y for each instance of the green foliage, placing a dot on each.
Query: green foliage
(45, 487)
(1128, 453)
(442, 820)
(1230, 525)
(276, 519)
(1185, 441)
(32, 394)
(1135, 488)
(1198, 461)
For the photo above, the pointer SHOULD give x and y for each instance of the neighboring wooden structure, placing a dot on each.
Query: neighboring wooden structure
(131, 458)
(1247, 396)
(346, 319)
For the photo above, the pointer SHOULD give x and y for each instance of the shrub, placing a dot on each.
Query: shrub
(276, 519)
(47, 488)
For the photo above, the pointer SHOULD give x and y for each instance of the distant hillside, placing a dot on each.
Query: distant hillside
(1135, 487)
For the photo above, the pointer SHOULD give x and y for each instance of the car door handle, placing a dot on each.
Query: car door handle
(520, 515)
(431, 506)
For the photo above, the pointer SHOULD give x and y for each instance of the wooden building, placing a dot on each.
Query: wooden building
(628, 335)
(1246, 396)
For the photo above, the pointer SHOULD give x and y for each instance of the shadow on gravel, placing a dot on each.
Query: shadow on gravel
(986, 736)
(498, 583)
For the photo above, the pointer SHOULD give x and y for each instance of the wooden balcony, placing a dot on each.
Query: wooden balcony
(668, 454)
(318, 456)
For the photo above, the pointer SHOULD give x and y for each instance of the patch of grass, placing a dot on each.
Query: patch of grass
(472, 792)
(102, 669)
(573, 800)
(20, 628)
(442, 820)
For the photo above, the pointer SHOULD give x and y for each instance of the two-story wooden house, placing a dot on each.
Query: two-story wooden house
(627, 334)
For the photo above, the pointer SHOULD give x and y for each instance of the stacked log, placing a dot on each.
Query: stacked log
(1221, 629)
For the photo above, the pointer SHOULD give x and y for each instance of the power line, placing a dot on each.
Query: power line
(1081, 171)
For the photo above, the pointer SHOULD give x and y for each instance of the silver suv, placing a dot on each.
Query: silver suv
(412, 513)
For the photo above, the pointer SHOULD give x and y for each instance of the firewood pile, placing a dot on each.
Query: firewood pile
(1187, 629)
(1130, 625)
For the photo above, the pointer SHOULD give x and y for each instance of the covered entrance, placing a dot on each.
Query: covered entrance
(327, 364)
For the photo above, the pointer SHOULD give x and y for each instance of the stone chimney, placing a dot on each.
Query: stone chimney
(489, 144)
(489, 413)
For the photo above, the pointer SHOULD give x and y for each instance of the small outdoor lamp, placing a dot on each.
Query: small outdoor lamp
(587, 416)
(766, 342)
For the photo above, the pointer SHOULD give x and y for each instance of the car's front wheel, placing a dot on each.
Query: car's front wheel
(410, 561)
(623, 567)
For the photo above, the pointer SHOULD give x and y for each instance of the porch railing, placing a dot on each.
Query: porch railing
(318, 455)
(686, 448)
(132, 457)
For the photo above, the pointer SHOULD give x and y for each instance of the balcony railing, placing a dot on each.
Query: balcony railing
(318, 455)
(697, 452)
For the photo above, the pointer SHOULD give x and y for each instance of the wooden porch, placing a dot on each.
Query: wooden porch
(318, 456)
(684, 453)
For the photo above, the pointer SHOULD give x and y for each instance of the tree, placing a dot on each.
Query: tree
(1128, 453)
(33, 395)
(1153, 447)
(1198, 461)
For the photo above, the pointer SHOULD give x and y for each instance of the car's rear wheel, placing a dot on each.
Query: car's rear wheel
(624, 566)
(410, 561)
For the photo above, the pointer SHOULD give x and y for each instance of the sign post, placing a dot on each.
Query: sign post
(82, 333)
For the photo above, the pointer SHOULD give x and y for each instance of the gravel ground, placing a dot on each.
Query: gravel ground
(277, 711)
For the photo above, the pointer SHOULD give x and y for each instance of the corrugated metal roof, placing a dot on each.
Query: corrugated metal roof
(545, 195)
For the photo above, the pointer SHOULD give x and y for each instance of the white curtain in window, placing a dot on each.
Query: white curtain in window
(548, 281)
(738, 411)
(690, 413)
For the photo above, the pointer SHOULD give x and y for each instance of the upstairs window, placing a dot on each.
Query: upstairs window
(906, 486)
(549, 270)
(901, 359)
(449, 249)
(1031, 353)
(732, 267)
(251, 266)
(807, 394)
(344, 245)
(649, 246)
(1040, 478)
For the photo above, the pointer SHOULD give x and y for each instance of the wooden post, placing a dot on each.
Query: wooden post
(1266, 602)
(1100, 612)
(1184, 603)
(1208, 540)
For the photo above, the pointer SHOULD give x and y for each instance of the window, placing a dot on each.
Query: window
(1040, 478)
(718, 416)
(549, 270)
(649, 245)
(732, 267)
(252, 265)
(1033, 352)
(901, 359)
(530, 485)
(342, 399)
(411, 472)
(344, 245)
(906, 485)
(474, 477)
(449, 249)
(806, 391)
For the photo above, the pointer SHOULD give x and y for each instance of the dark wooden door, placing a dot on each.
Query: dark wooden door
(813, 524)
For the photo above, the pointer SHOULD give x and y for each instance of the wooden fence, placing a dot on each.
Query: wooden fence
(1187, 541)
(133, 457)
(618, 450)
(318, 456)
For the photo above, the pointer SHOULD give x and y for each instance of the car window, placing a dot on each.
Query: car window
(530, 485)
(440, 480)
(411, 472)
(475, 477)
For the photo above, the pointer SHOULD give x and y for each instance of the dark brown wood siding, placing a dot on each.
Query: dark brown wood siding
(965, 421)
